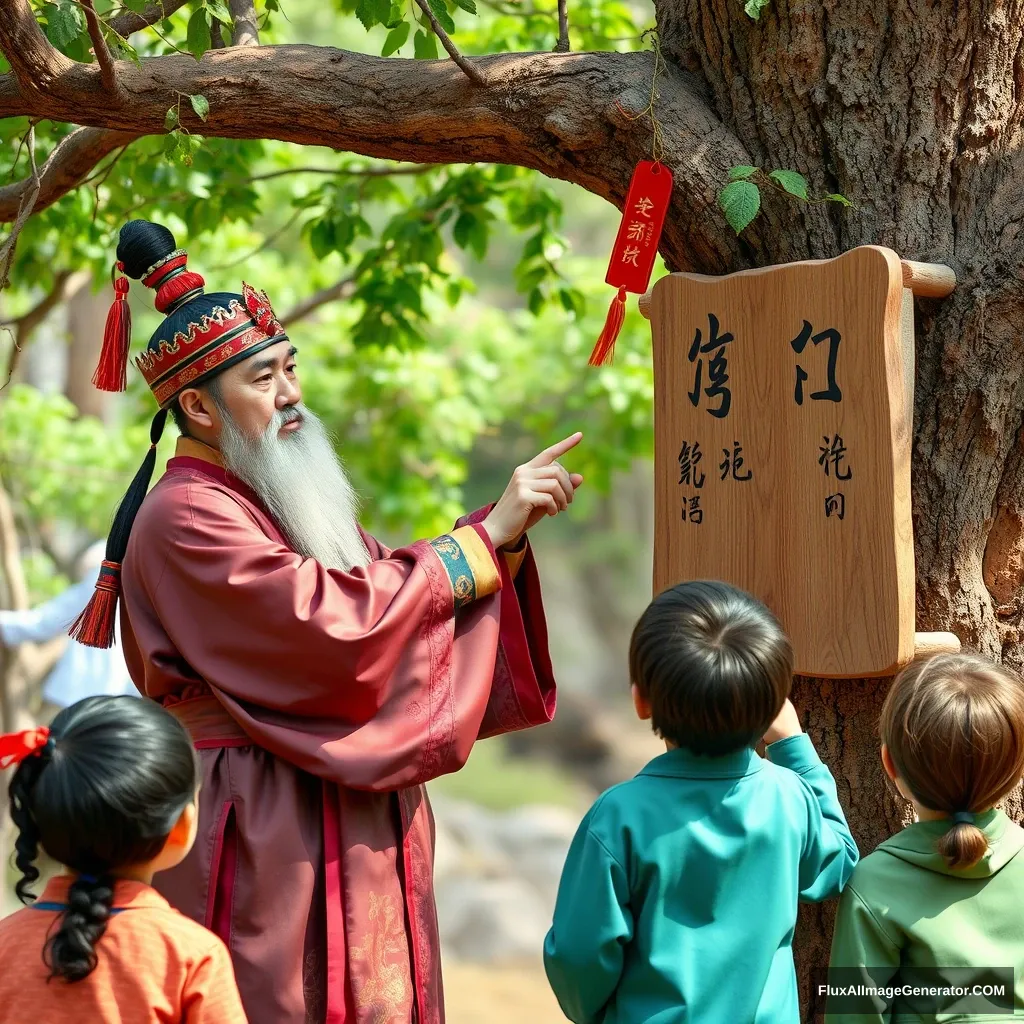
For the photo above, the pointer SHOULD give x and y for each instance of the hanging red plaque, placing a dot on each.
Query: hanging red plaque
(636, 247)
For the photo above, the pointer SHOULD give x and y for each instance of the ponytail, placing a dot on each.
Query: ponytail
(70, 952)
(26, 846)
(964, 844)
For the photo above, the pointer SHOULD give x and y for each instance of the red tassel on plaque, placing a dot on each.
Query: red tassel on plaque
(112, 371)
(95, 626)
(636, 247)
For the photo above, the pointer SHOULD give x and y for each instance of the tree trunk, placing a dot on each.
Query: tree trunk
(913, 112)
(87, 316)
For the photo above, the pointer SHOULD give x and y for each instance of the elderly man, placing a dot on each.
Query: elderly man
(323, 678)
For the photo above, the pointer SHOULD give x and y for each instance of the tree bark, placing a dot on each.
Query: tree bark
(87, 316)
(914, 111)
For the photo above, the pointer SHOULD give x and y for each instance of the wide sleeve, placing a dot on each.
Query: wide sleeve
(862, 953)
(830, 853)
(378, 678)
(523, 686)
(46, 621)
(584, 950)
(210, 993)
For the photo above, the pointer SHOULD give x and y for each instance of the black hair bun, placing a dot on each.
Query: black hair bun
(141, 244)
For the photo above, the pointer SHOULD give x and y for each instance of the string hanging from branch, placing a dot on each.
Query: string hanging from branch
(643, 216)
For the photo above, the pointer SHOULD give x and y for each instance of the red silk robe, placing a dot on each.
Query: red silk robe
(321, 701)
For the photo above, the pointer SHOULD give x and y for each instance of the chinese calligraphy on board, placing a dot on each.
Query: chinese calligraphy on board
(783, 405)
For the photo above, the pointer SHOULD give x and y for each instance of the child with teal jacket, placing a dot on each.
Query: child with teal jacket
(679, 895)
(941, 902)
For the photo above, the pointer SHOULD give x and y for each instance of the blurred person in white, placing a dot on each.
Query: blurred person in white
(80, 671)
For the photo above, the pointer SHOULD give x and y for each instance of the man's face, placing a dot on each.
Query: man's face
(254, 389)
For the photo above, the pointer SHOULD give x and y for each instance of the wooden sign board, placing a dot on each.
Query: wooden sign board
(783, 425)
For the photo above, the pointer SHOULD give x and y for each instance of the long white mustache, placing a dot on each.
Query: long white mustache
(300, 480)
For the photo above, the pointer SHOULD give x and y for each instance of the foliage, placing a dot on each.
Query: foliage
(740, 199)
(494, 780)
(413, 371)
(753, 8)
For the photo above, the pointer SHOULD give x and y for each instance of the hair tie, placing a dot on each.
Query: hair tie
(16, 746)
(963, 817)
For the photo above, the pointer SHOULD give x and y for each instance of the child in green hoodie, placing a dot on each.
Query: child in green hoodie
(679, 894)
(940, 902)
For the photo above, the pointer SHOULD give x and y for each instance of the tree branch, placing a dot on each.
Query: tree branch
(473, 73)
(35, 63)
(128, 22)
(65, 284)
(246, 31)
(562, 46)
(342, 290)
(27, 203)
(365, 172)
(80, 152)
(570, 116)
(99, 48)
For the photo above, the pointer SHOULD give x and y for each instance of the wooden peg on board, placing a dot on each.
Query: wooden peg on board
(927, 644)
(929, 280)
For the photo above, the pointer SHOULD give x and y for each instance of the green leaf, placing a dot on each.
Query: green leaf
(172, 142)
(755, 7)
(201, 105)
(220, 11)
(463, 230)
(835, 197)
(467, 5)
(64, 24)
(795, 184)
(272, 5)
(321, 238)
(741, 172)
(536, 301)
(197, 37)
(123, 49)
(740, 202)
(440, 9)
(424, 46)
(396, 39)
(171, 119)
(373, 12)
(395, 16)
(138, 6)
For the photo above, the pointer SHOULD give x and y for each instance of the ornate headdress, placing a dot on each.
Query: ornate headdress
(201, 336)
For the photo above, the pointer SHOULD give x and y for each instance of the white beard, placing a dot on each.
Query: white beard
(298, 477)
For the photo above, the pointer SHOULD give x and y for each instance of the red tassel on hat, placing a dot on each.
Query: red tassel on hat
(95, 626)
(636, 246)
(112, 371)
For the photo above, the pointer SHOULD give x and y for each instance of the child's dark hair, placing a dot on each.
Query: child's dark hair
(104, 793)
(954, 728)
(714, 664)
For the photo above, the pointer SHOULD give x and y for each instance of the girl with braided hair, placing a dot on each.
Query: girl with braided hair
(109, 791)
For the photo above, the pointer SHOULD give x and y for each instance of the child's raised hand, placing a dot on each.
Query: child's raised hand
(787, 723)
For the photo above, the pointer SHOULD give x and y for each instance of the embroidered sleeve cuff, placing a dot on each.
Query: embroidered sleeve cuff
(469, 563)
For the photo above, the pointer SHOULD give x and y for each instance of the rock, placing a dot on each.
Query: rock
(487, 920)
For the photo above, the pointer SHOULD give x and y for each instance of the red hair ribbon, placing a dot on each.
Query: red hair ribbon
(16, 746)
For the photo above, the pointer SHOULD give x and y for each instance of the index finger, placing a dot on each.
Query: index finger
(546, 457)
